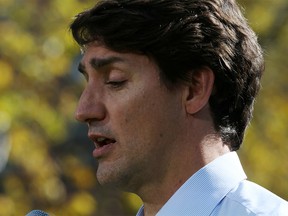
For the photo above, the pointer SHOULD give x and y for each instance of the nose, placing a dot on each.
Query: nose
(90, 106)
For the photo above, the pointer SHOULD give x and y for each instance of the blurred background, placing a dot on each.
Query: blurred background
(45, 157)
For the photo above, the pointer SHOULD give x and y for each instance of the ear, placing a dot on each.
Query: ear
(197, 94)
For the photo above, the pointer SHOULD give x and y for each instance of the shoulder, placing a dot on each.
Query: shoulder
(253, 200)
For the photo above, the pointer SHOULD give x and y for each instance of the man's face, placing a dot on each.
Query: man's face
(134, 121)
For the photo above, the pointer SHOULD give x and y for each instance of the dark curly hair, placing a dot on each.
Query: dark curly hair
(183, 35)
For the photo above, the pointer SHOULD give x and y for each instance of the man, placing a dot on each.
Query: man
(169, 94)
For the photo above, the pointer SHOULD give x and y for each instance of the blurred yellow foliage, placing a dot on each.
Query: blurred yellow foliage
(82, 204)
(50, 164)
(6, 75)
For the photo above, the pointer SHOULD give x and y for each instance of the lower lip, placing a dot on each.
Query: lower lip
(102, 151)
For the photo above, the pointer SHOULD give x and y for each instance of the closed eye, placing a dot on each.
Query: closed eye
(116, 84)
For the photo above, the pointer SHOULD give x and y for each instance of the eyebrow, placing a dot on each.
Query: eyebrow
(98, 63)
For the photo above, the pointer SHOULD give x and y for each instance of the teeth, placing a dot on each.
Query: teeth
(101, 139)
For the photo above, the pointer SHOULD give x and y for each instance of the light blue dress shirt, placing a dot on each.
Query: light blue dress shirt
(221, 189)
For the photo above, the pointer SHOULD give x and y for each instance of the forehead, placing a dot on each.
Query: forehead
(96, 50)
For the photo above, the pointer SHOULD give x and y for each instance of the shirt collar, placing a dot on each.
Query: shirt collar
(140, 211)
(201, 193)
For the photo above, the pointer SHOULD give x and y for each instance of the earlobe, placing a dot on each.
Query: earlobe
(198, 93)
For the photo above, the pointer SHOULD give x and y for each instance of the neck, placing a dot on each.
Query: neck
(188, 158)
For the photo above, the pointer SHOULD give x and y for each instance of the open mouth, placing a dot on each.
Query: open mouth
(103, 145)
(102, 141)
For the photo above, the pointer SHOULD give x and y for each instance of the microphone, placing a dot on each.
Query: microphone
(37, 213)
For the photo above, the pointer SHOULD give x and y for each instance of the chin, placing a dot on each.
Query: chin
(107, 178)
(115, 180)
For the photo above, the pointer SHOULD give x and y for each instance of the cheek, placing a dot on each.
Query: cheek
(145, 115)
(132, 115)
(142, 118)
(140, 109)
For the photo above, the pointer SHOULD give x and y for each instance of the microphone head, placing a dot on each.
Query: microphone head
(37, 213)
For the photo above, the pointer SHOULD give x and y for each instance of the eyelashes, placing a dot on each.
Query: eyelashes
(116, 84)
